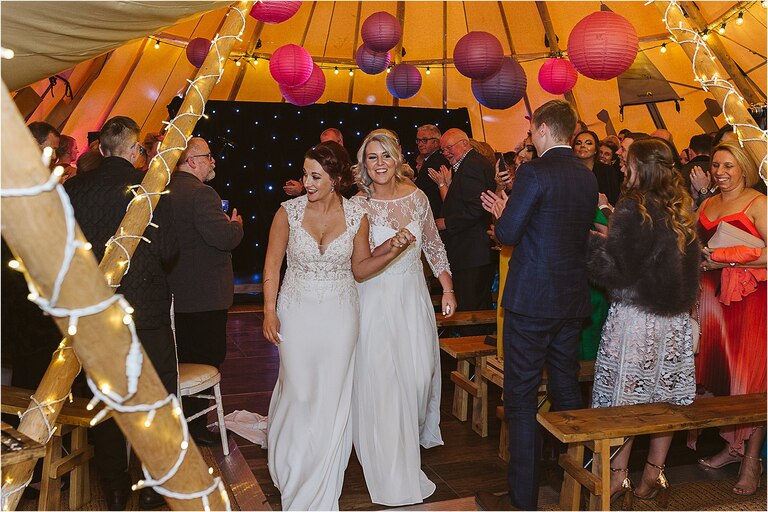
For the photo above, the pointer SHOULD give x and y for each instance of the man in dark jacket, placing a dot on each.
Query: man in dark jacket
(428, 142)
(100, 199)
(546, 296)
(202, 282)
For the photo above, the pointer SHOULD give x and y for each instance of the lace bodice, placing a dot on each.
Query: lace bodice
(413, 212)
(314, 273)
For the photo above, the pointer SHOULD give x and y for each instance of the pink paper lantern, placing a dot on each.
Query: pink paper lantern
(381, 31)
(271, 11)
(371, 62)
(404, 81)
(478, 55)
(503, 89)
(197, 51)
(603, 45)
(291, 65)
(307, 93)
(557, 76)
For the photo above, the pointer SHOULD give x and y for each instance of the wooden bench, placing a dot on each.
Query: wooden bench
(494, 372)
(459, 318)
(74, 418)
(601, 429)
(470, 350)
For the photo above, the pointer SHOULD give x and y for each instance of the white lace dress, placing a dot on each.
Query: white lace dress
(309, 436)
(396, 396)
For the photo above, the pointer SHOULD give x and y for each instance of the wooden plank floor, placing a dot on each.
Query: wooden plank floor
(466, 463)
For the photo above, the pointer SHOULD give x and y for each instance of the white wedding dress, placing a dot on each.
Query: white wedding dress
(396, 395)
(309, 434)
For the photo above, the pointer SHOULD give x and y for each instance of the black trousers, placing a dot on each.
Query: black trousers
(473, 292)
(110, 454)
(201, 338)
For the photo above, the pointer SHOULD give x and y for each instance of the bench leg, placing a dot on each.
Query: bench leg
(79, 478)
(461, 397)
(50, 488)
(480, 402)
(570, 493)
(601, 468)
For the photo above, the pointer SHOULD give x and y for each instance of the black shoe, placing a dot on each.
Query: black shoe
(203, 437)
(489, 501)
(117, 499)
(149, 499)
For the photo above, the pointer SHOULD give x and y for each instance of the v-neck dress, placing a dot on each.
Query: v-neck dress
(309, 435)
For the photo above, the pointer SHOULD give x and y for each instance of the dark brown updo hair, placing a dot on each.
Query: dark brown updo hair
(334, 160)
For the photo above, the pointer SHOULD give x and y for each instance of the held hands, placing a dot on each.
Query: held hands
(401, 240)
(442, 178)
(293, 188)
(494, 204)
(271, 328)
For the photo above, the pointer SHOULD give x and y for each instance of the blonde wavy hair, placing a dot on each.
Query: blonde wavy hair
(657, 180)
(389, 142)
(743, 160)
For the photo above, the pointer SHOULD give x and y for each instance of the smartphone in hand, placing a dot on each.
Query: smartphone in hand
(225, 205)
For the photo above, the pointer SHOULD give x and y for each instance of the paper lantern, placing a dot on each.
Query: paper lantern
(291, 65)
(307, 93)
(381, 31)
(503, 89)
(557, 76)
(371, 62)
(271, 11)
(478, 55)
(603, 45)
(404, 81)
(197, 51)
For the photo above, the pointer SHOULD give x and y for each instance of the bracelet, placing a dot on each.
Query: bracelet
(441, 185)
(447, 291)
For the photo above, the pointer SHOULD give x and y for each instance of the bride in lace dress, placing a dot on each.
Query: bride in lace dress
(396, 392)
(314, 323)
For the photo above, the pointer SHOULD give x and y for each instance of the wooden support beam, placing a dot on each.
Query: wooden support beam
(354, 49)
(508, 33)
(554, 46)
(42, 264)
(705, 67)
(397, 51)
(698, 23)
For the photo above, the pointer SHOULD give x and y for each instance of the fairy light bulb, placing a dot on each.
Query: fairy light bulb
(740, 19)
(705, 35)
(157, 44)
(429, 71)
(127, 319)
(336, 70)
(87, 246)
(721, 30)
(237, 62)
(663, 48)
(389, 70)
(14, 264)
(351, 72)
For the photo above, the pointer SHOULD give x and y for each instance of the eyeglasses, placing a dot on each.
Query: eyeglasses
(425, 140)
(449, 146)
(208, 156)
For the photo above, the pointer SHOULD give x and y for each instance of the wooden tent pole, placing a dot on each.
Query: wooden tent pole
(61, 373)
(508, 33)
(351, 91)
(397, 51)
(554, 46)
(707, 73)
(698, 23)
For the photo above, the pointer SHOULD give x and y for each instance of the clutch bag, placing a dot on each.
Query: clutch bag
(727, 235)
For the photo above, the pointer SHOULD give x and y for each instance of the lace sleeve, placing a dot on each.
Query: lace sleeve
(294, 208)
(354, 214)
(431, 243)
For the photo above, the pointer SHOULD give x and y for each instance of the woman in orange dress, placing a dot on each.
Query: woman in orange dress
(732, 358)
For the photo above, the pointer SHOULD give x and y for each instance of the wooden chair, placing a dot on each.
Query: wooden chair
(197, 378)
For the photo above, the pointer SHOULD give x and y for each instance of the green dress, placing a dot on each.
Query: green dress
(593, 326)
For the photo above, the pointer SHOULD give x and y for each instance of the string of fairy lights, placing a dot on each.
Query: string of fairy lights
(104, 392)
(683, 35)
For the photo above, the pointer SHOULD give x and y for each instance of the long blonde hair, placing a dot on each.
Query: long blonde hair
(657, 180)
(391, 146)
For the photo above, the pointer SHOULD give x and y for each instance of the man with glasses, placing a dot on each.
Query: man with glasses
(428, 143)
(201, 281)
(100, 198)
(465, 224)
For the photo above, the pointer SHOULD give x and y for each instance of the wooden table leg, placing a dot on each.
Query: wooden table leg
(50, 488)
(480, 402)
(570, 493)
(601, 468)
(460, 396)
(79, 477)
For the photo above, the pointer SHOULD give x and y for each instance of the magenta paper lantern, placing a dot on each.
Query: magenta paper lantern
(271, 11)
(478, 55)
(381, 31)
(307, 93)
(557, 76)
(291, 65)
(603, 45)
(197, 51)
(371, 62)
(404, 81)
(503, 89)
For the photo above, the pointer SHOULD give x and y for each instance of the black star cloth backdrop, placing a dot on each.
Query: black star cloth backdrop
(260, 146)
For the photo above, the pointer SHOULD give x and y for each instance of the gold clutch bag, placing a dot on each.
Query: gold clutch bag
(728, 235)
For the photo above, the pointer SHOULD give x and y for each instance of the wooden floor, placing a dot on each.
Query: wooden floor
(466, 463)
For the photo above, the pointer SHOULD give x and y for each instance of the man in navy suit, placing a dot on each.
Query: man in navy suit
(547, 220)
(464, 225)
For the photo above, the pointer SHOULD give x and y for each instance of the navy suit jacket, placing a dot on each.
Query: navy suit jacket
(547, 219)
(428, 186)
(466, 222)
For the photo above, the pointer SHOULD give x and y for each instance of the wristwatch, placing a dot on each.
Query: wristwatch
(703, 190)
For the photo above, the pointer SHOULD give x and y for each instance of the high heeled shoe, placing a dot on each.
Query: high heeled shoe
(741, 491)
(626, 489)
(660, 486)
(707, 462)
